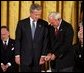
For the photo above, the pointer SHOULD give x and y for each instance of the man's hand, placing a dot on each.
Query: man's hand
(17, 59)
(3, 68)
(42, 60)
(6, 66)
(48, 57)
(53, 57)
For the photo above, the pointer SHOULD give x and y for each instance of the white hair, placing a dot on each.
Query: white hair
(55, 15)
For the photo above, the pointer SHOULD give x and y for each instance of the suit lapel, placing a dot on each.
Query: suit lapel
(61, 26)
(61, 30)
(10, 44)
(27, 28)
(38, 29)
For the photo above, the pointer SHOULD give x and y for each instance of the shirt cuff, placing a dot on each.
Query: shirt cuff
(17, 56)
(43, 56)
(2, 64)
(9, 64)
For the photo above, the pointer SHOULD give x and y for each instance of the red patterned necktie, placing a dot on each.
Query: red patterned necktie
(56, 31)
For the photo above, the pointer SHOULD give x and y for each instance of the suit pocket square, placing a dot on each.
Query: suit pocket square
(12, 49)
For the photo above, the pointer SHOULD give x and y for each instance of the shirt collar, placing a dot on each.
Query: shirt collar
(59, 24)
(31, 20)
(6, 41)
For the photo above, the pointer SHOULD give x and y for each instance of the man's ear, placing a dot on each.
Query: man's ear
(59, 19)
(8, 34)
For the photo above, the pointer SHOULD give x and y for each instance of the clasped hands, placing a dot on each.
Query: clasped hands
(43, 59)
(49, 57)
(4, 67)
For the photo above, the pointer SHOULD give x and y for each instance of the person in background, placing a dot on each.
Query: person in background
(7, 52)
(78, 53)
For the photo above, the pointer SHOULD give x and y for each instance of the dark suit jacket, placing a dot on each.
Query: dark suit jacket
(8, 55)
(31, 50)
(61, 45)
(78, 58)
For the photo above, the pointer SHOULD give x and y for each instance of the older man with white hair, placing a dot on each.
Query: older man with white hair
(60, 44)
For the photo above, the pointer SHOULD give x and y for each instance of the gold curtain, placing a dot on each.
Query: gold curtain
(13, 11)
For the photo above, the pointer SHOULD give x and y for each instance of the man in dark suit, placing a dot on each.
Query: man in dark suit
(7, 52)
(31, 41)
(61, 37)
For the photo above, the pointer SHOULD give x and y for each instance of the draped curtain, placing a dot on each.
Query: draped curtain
(13, 11)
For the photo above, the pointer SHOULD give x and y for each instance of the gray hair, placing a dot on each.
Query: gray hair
(35, 7)
(55, 15)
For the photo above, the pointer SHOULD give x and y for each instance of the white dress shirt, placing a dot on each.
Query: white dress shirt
(6, 41)
(31, 20)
